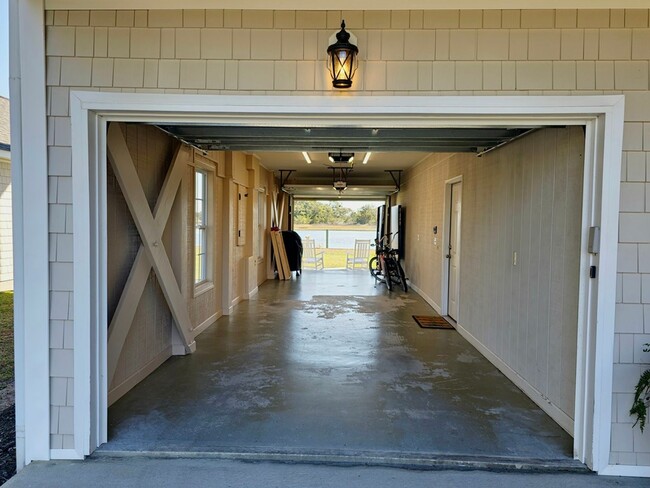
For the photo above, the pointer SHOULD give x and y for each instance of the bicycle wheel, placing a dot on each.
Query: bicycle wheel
(373, 265)
(402, 277)
(388, 272)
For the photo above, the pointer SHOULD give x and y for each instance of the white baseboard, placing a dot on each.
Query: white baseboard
(120, 390)
(65, 454)
(562, 419)
(233, 304)
(625, 470)
(206, 323)
(426, 297)
(552, 410)
(251, 293)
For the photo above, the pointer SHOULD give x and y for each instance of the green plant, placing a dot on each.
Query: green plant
(642, 396)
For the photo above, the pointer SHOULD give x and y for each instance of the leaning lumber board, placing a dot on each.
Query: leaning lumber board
(276, 255)
(283, 256)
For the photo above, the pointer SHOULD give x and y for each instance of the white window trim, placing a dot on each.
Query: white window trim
(601, 115)
(207, 284)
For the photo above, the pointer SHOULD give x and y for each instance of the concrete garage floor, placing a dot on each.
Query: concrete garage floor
(328, 366)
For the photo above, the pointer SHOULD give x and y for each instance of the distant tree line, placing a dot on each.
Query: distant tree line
(315, 212)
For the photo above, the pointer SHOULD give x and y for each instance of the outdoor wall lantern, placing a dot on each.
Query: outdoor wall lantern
(342, 59)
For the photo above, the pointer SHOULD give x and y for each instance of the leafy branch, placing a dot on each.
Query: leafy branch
(642, 396)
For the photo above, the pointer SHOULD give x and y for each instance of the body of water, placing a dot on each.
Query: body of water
(336, 239)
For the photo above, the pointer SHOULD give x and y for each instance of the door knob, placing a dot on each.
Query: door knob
(448, 256)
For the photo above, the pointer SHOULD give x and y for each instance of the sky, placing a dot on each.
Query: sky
(4, 48)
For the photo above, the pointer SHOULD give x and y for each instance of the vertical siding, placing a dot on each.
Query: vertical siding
(6, 252)
(525, 197)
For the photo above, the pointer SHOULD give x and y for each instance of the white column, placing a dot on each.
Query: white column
(30, 216)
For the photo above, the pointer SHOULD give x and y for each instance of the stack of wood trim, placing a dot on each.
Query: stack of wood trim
(280, 255)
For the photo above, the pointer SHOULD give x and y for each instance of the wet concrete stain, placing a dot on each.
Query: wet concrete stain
(304, 366)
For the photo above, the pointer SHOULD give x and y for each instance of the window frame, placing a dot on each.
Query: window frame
(207, 282)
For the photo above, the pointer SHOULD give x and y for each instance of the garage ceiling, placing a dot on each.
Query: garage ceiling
(324, 139)
(280, 148)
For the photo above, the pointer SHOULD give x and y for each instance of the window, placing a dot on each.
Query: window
(201, 216)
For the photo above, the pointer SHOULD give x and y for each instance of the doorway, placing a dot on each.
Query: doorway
(453, 254)
(336, 234)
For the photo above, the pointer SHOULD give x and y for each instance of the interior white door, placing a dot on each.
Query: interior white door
(453, 256)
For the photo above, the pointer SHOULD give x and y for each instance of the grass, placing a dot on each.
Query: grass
(6, 337)
(336, 258)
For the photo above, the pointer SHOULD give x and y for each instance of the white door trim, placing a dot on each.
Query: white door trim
(444, 299)
(601, 115)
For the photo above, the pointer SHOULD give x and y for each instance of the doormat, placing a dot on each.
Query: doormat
(432, 322)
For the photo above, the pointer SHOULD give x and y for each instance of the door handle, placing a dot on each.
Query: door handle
(448, 256)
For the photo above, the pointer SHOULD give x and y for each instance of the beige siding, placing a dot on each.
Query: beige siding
(513, 52)
(525, 197)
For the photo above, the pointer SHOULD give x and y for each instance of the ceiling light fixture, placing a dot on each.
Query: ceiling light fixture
(306, 156)
(342, 58)
(341, 157)
(366, 158)
(339, 179)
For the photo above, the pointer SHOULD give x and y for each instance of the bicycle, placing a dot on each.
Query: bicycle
(385, 266)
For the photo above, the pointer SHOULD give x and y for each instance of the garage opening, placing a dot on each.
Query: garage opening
(323, 367)
(336, 234)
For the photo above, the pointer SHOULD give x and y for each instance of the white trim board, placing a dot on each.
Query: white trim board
(251, 293)
(624, 470)
(601, 115)
(426, 298)
(70, 454)
(119, 391)
(444, 236)
(555, 413)
(341, 4)
(207, 323)
(30, 230)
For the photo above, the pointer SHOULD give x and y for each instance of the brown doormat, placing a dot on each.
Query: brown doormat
(432, 322)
